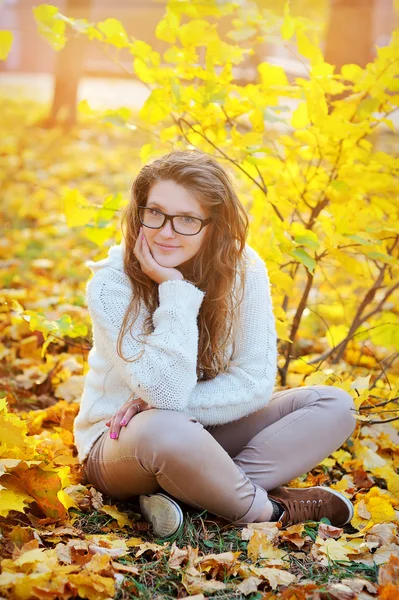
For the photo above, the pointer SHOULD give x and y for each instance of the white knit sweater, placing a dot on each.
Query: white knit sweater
(165, 375)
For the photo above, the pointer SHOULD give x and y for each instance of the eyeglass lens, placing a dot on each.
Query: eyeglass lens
(185, 225)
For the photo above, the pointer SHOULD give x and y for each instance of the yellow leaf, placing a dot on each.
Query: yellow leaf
(78, 210)
(10, 500)
(114, 32)
(390, 477)
(352, 72)
(166, 29)
(328, 462)
(156, 107)
(288, 26)
(378, 505)
(335, 334)
(341, 485)
(257, 119)
(308, 49)
(272, 75)
(32, 556)
(122, 519)
(197, 32)
(333, 549)
(50, 26)
(300, 117)
(259, 546)
(6, 39)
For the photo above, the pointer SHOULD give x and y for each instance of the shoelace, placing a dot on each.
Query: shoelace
(304, 510)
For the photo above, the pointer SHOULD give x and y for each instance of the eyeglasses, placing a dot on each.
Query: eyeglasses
(182, 224)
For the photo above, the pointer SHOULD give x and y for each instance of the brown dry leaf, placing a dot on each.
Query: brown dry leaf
(329, 531)
(125, 568)
(358, 584)
(259, 546)
(293, 535)
(214, 564)
(385, 553)
(388, 591)
(249, 585)
(177, 556)
(362, 510)
(96, 498)
(196, 583)
(155, 548)
(383, 533)
(20, 536)
(43, 486)
(389, 573)
(93, 586)
(340, 591)
(275, 577)
(269, 529)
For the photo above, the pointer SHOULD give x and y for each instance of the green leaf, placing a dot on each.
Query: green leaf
(307, 238)
(304, 258)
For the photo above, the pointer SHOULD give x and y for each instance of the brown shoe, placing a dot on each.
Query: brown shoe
(312, 504)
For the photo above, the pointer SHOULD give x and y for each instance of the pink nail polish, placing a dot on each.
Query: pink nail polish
(123, 422)
(113, 435)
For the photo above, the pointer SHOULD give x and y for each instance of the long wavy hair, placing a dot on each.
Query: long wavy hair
(217, 267)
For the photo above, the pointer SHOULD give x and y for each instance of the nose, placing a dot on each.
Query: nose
(168, 229)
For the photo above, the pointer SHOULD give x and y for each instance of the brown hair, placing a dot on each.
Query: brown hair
(215, 266)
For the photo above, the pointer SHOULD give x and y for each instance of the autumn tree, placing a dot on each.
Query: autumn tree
(322, 200)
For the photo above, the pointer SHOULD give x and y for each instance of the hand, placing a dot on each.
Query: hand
(122, 417)
(149, 265)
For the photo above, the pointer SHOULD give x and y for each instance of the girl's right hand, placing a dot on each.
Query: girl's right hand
(149, 265)
(126, 412)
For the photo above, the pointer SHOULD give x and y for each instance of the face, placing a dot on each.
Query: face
(173, 199)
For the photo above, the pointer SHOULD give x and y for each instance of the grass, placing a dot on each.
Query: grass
(157, 581)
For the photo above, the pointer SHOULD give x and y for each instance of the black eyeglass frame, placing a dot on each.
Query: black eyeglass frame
(170, 218)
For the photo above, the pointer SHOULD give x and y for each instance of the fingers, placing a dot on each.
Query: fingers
(115, 426)
(121, 419)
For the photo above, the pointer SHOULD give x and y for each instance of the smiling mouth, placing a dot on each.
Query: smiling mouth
(167, 247)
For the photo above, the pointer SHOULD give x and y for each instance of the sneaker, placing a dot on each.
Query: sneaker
(164, 514)
(312, 504)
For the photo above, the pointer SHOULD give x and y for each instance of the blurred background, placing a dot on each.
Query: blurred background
(349, 31)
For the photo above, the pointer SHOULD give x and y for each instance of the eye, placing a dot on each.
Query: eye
(190, 219)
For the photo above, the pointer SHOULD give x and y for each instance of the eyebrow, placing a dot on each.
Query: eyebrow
(155, 204)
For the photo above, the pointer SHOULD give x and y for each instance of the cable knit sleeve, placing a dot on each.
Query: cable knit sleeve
(248, 383)
(165, 373)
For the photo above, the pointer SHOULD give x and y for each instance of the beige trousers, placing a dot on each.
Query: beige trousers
(229, 469)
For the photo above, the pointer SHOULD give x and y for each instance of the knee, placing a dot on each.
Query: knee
(343, 407)
(165, 430)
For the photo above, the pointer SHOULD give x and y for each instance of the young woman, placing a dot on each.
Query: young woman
(179, 396)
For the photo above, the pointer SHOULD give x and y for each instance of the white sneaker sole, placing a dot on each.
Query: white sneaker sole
(344, 498)
(164, 514)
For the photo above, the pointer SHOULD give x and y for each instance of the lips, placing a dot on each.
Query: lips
(166, 247)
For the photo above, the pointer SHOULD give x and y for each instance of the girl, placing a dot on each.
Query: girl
(179, 395)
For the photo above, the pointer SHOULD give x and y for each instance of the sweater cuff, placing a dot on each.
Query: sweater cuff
(180, 293)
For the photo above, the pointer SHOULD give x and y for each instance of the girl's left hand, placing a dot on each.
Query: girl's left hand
(149, 265)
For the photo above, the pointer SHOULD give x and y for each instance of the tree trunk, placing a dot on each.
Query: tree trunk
(350, 36)
(69, 68)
